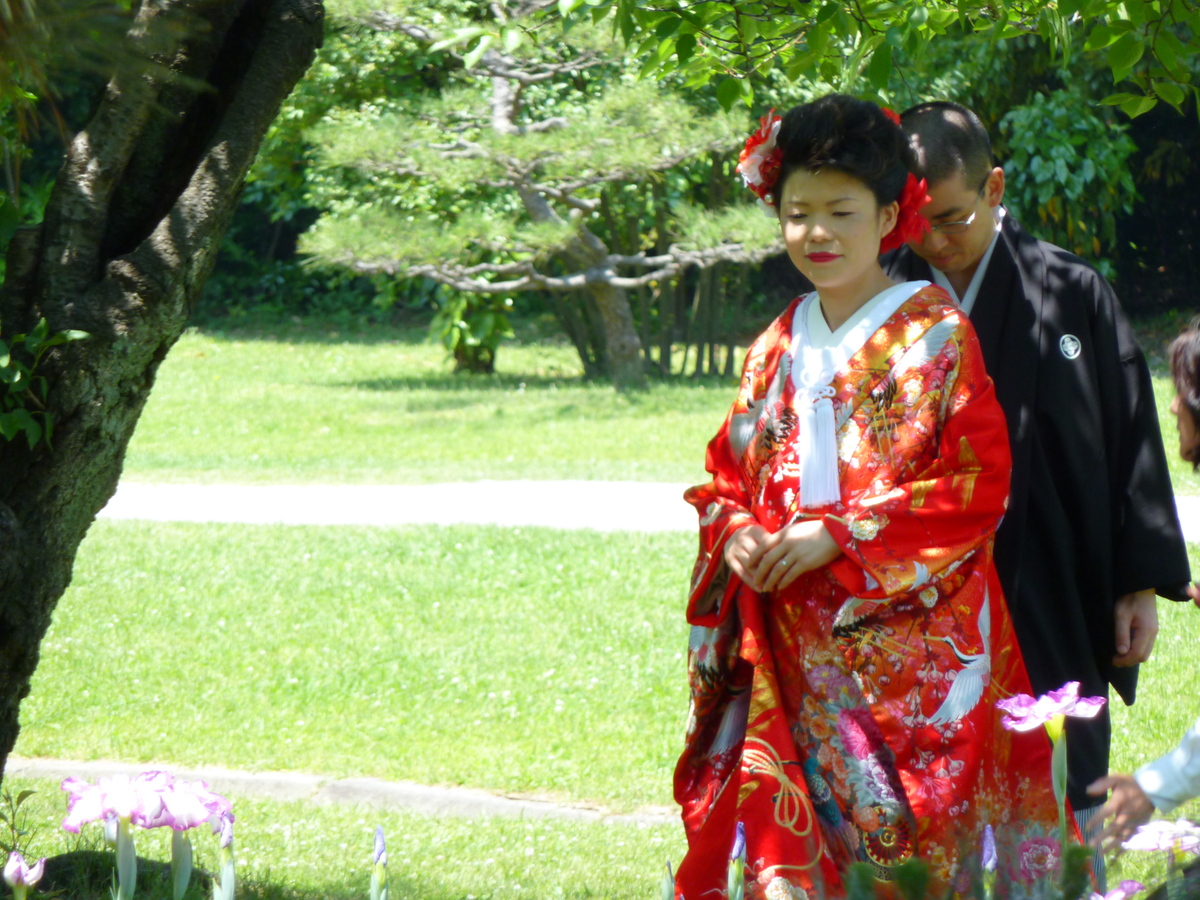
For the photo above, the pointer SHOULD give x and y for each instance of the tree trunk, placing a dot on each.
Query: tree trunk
(735, 321)
(571, 322)
(129, 237)
(624, 349)
(586, 251)
(701, 315)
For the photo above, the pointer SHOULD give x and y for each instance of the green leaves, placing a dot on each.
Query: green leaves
(1151, 42)
(23, 394)
(879, 70)
(1133, 105)
(472, 57)
(730, 91)
(912, 878)
(1076, 871)
(1067, 170)
(458, 38)
(15, 821)
(685, 46)
(1124, 54)
(471, 327)
(860, 882)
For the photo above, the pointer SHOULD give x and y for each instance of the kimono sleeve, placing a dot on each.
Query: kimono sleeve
(726, 503)
(931, 512)
(1148, 545)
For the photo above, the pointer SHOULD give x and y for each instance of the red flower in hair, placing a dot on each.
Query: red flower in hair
(891, 114)
(910, 224)
(760, 159)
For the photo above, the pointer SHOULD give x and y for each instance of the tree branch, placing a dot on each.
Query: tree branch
(524, 276)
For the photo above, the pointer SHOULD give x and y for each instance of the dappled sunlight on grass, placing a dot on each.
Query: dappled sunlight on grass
(244, 412)
(244, 409)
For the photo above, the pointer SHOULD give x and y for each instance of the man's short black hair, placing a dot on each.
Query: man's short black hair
(948, 138)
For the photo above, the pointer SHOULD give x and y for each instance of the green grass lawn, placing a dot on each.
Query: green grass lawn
(249, 409)
(529, 661)
(316, 405)
(298, 851)
(521, 660)
(526, 661)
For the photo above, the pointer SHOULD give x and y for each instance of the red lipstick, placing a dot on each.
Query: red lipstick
(823, 257)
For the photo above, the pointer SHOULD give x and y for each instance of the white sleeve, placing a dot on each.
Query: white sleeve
(1173, 778)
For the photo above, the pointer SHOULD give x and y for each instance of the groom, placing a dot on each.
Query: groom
(1091, 533)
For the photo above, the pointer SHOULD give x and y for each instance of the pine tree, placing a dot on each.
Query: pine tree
(498, 182)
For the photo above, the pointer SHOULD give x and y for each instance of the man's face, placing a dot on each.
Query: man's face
(953, 200)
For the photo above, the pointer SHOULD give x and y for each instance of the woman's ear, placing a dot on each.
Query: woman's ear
(888, 216)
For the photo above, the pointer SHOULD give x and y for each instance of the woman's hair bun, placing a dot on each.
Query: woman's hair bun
(850, 135)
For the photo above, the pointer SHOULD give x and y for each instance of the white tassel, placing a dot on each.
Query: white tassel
(818, 464)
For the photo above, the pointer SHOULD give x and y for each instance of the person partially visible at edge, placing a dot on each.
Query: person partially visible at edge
(849, 635)
(1173, 778)
(1091, 533)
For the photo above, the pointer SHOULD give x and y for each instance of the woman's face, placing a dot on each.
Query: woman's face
(1189, 435)
(832, 227)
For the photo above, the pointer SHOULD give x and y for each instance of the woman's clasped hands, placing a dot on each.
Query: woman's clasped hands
(770, 562)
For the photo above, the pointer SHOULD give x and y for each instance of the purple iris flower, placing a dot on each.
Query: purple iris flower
(989, 849)
(18, 874)
(380, 847)
(119, 796)
(183, 808)
(1159, 835)
(1026, 713)
(149, 800)
(1123, 891)
(739, 843)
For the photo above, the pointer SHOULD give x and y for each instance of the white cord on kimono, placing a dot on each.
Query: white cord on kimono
(818, 449)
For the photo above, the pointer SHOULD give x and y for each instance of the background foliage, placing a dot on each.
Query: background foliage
(332, 177)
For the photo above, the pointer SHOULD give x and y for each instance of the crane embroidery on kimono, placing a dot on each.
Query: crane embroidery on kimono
(967, 690)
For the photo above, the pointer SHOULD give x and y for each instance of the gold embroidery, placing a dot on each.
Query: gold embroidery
(865, 528)
(970, 463)
(791, 803)
(919, 490)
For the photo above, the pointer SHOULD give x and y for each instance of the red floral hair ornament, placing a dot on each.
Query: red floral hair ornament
(760, 161)
(910, 224)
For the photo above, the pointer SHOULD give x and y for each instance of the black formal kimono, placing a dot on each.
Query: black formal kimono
(1091, 515)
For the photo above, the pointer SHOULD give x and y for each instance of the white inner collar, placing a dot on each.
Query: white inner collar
(812, 334)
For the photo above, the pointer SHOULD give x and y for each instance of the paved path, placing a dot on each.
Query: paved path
(603, 505)
(375, 792)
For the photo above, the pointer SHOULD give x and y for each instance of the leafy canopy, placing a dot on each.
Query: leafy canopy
(1149, 45)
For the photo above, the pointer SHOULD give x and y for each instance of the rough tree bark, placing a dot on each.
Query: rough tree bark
(129, 237)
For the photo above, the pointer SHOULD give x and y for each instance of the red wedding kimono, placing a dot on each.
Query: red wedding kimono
(851, 715)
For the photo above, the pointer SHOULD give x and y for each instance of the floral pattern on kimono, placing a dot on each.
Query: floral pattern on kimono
(850, 717)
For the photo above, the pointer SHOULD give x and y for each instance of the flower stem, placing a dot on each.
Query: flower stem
(126, 861)
(181, 862)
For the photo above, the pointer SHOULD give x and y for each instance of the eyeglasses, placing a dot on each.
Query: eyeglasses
(954, 227)
(962, 226)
